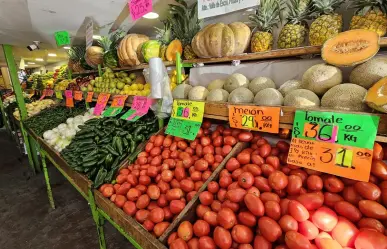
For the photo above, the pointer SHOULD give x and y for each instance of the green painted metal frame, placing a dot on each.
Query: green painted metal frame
(20, 102)
(43, 155)
(5, 117)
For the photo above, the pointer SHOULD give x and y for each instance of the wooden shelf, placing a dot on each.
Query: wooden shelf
(272, 54)
(220, 111)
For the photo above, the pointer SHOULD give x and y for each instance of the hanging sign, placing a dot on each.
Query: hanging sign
(78, 95)
(140, 107)
(208, 8)
(116, 107)
(89, 32)
(62, 38)
(256, 118)
(334, 143)
(102, 100)
(138, 8)
(58, 95)
(89, 97)
(186, 119)
(69, 98)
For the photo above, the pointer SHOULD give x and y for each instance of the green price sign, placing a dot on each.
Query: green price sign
(357, 130)
(62, 38)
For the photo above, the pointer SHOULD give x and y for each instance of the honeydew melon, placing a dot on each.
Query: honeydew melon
(235, 81)
(216, 84)
(241, 95)
(181, 91)
(218, 95)
(269, 97)
(198, 93)
(260, 83)
(302, 98)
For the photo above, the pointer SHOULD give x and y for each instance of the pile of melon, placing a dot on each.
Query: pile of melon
(321, 86)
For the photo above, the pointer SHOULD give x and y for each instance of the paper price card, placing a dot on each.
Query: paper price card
(78, 95)
(69, 98)
(256, 118)
(102, 100)
(116, 107)
(43, 94)
(139, 108)
(89, 97)
(58, 95)
(186, 119)
(49, 92)
(138, 8)
(335, 143)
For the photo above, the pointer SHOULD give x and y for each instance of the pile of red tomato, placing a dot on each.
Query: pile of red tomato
(167, 175)
(261, 202)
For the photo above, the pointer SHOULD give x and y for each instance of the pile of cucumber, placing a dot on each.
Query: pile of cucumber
(98, 149)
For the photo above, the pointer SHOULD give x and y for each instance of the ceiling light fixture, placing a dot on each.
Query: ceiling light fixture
(151, 15)
(39, 59)
(51, 54)
(96, 37)
(67, 47)
(31, 63)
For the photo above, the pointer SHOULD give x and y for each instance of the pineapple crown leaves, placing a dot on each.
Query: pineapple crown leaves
(326, 7)
(76, 53)
(110, 43)
(363, 6)
(299, 12)
(164, 35)
(184, 21)
(268, 15)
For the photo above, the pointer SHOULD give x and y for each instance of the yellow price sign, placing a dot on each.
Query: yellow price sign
(188, 110)
(344, 157)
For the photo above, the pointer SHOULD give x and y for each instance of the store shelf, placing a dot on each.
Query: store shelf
(272, 54)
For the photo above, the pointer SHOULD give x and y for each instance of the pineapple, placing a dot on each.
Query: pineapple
(328, 24)
(370, 15)
(265, 18)
(293, 34)
(164, 36)
(184, 25)
(75, 55)
(109, 44)
(303, 5)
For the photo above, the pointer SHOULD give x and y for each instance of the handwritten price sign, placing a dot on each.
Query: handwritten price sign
(89, 97)
(43, 94)
(102, 100)
(140, 107)
(78, 95)
(256, 118)
(116, 107)
(186, 119)
(58, 95)
(335, 143)
(62, 38)
(69, 98)
(139, 8)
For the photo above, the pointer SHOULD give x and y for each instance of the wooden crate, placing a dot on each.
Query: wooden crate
(136, 231)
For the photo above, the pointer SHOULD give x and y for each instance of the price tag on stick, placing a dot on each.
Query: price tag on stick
(336, 143)
(186, 119)
(116, 107)
(89, 97)
(78, 95)
(58, 95)
(140, 107)
(102, 100)
(49, 92)
(256, 118)
(43, 94)
(69, 98)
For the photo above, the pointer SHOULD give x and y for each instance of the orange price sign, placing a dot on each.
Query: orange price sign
(119, 100)
(346, 161)
(69, 98)
(102, 100)
(257, 118)
(78, 95)
(89, 97)
(43, 94)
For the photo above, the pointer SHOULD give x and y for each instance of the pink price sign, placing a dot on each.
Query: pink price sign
(69, 94)
(138, 8)
(141, 104)
(102, 100)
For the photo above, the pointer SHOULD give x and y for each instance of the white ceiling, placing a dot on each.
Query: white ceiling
(24, 21)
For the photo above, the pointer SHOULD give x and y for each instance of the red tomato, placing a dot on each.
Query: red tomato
(262, 184)
(372, 209)
(187, 185)
(264, 150)
(225, 181)
(211, 218)
(296, 240)
(242, 234)
(243, 158)
(201, 228)
(379, 169)
(206, 242)
(222, 238)
(288, 223)
(368, 190)
(236, 195)
(245, 136)
(201, 165)
(348, 210)
(273, 161)
(325, 219)
(153, 192)
(314, 183)
(254, 204)
(206, 198)
(333, 184)
(226, 218)
(311, 201)
(213, 187)
(345, 232)
(370, 239)
(267, 196)
(229, 140)
(330, 199)
(247, 218)
(261, 243)
(308, 229)
(269, 228)
(176, 206)
(246, 180)
(298, 211)
(201, 210)
(142, 215)
(273, 210)
(130, 208)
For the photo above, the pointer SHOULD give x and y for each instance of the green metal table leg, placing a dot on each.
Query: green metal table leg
(35, 151)
(28, 148)
(5, 119)
(98, 219)
(47, 178)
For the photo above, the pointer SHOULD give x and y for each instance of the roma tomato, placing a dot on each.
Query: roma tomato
(273, 210)
(372, 209)
(294, 185)
(370, 239)
(245, 136)
(298, 211)
(247, 218)
(254, 204)
(269, 228)
(236, 195)
(351, 196)
(348, 210)
(242, 234)
(379, 169)
(311, 201)
(288, 223)
(325, 219)
(377, 152)
(368, 190)
(333, 184)
(308, 229)
(222, 238)
(314, 183)
(178, 244)
(201, 228)
(345, 232)
(211, 218)
(371, 223)
(278, 180)
(261, 243)
(243, 158)
(296, 240)
(226, 218)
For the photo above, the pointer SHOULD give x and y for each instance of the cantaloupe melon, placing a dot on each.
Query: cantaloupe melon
(198, 93)
(376, 97)
(241, 95)
(346, 97)
(369, 73)
(181, 91)
(351, 48)
(320, 78)
(216, 84)
(302, 98)
(234, 81)
(260, 83)
(289, 86)
(218, 95)
(269, 97)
